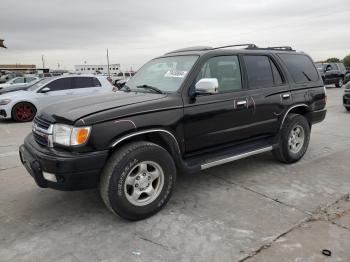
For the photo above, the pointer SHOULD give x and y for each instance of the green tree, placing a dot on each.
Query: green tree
(333, 60)
(346, 61)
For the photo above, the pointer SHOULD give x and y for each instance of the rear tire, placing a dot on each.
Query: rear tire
(339, 83)
(294, 139)
(138, 180)
(347, 108)
(23, 112)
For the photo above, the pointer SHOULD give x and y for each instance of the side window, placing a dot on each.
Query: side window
(19, 80)
(60, 84)
(83, 82)
(29, 79)
(226, 70)
(259, 71)
(96, 82)
(300, 67)
(277, 78)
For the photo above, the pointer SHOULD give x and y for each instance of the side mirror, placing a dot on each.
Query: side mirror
(120, 84)
(207, 86)
(45, 90)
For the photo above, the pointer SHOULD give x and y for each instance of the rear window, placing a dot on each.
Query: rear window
(300, 67)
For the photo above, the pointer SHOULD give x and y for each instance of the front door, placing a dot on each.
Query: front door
(218, 119)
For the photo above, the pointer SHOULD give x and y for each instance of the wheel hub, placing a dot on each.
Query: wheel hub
(144, 183)
(296, 139)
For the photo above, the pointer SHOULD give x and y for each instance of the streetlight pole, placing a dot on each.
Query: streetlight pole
(109, 74)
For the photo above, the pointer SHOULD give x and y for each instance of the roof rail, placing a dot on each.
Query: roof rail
(193, 48)
(248, 46)
(281, 48)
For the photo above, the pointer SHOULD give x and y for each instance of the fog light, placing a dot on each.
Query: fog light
(50, 177)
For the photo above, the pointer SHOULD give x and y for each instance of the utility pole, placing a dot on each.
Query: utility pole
(43, 61)
(109, 74)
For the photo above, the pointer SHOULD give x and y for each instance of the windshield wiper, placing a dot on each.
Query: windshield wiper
(127, 88)
(151, 88)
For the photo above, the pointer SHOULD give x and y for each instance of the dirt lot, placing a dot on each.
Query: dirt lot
(254, 209)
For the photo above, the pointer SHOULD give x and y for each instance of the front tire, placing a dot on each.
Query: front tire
(294, 139)
(138, 180)
(339, 83)
(23, 112)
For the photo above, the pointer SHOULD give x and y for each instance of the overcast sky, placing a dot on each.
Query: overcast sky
(70, 32)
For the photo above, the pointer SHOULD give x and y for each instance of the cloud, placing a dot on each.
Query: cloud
(70, 32)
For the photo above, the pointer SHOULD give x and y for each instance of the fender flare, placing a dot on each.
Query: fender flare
(147, 131)
(289, 109)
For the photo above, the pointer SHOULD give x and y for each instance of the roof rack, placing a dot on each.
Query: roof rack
(280, 48)
(247, 46)
(193, 48)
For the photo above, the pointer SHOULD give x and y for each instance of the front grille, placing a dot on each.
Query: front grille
(41, 123)
(42, 131)
(41, 139)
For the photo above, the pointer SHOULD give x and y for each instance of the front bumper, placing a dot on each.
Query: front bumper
(5, 112)
(346, 99)
(316, 116)
(73, 171)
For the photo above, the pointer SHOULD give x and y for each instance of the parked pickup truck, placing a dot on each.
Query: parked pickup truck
(185, 111)
(332, 73)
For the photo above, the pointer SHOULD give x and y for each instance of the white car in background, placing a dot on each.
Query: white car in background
(23, 105)
(21, 81)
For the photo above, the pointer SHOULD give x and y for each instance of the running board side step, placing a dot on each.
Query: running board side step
(235, 157)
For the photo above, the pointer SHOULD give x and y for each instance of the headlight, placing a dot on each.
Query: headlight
(69, 135)
(4, 102)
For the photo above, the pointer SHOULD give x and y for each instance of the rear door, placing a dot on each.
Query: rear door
(269, 92)
(86, 85)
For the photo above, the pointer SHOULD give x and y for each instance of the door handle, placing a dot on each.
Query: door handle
(241, 103)
(286, 96)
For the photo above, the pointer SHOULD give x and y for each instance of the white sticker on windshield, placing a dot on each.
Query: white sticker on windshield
(175, 73)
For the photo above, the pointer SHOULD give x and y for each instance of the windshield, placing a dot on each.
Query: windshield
(165, 74)
(39, 84)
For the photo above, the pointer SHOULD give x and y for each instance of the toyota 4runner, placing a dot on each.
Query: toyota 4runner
(186, 111)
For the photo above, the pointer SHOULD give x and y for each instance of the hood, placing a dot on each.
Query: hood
(4, 85)
(12, 95)
(72, 110)
(11, 89)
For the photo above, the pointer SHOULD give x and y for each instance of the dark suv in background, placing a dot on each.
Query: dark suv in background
(332, 73)
(186, 111)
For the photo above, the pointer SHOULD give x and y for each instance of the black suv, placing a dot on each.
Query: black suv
(332, 73)
(185, 111)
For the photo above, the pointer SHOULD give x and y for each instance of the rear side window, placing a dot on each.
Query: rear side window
(300, 67)
(262, 72)
(61, 84)
(85, 82)
(96, 82)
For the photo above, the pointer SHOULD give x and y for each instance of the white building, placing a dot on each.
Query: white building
(103, 69)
